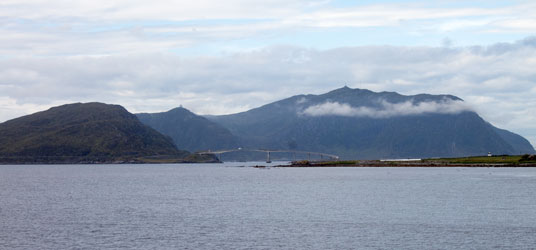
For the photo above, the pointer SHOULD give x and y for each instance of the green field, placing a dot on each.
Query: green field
(504, 159)
(498, 160)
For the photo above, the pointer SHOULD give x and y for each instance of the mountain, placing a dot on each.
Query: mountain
(82, 132)
(190, 131)
(362, 124)
(520, 144)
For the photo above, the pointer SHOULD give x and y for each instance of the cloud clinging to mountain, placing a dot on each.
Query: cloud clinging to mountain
(219, 57)
(387, 109)
(497, 80)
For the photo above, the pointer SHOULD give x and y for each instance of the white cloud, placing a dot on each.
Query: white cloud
(396, 15)
(301, 101)
(59, 27)
(519, 24)
(132, 52)
(498, 80)
(387, 109)
(142, 10)
(10, 108)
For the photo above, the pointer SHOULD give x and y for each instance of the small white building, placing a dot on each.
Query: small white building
(489, 154)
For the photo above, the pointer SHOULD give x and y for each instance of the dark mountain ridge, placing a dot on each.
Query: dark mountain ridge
(190, 131)
(362, 124)
(351, 123)
(81, 132)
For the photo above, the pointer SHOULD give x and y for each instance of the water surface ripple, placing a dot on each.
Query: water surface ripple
(222, 206)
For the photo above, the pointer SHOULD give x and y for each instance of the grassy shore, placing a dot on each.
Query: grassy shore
(473, 161)
(157, 159)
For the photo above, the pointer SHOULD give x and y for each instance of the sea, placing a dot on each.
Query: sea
(238, 206)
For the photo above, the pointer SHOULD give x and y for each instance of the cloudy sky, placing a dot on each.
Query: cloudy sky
(219, 57)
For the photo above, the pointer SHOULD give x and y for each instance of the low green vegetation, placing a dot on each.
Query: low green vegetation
(326, 163)
(473, 161)
(528, 158)
(498, 159)
(342, 162)
(192, 158)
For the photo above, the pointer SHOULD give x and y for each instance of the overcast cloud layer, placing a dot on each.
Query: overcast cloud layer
(219, 57)
(99, 27)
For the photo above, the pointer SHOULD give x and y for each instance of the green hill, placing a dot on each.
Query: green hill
(82, 132)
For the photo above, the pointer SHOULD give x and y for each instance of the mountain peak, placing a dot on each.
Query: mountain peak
(190, 131)
(359, 123)
(344, 89)
(79, 132)
(180, 109)
(347, 89)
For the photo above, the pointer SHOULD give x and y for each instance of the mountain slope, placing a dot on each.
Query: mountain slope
(357, 123)
(81, 132)
(190, 131)
(520, 144)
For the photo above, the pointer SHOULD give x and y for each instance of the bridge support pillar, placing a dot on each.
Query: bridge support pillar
(268, 157)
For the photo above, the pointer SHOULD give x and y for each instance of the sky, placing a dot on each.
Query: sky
(221, 57)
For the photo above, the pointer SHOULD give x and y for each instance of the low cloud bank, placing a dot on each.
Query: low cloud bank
(387, 109)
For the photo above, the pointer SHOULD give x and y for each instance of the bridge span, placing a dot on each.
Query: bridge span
(268, 151)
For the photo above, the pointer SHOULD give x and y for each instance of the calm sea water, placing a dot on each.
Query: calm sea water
(223, 206)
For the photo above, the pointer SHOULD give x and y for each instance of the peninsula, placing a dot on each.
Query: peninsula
(475, 161)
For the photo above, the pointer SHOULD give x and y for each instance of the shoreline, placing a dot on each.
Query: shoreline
(412, 164)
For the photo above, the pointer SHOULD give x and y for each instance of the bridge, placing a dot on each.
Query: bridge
(268, 151)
